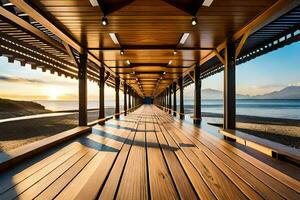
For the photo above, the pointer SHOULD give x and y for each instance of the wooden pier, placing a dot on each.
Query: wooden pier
(146, 155)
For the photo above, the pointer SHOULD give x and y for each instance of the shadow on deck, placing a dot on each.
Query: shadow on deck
(143, 157)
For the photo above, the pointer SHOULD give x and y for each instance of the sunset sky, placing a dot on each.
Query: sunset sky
(265, 74)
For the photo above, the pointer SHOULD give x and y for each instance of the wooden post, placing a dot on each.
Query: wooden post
(229, 87)
(117, 87)
(174, 99)
(170, 99)
(125, 99)
(101, 94)
(82, 77)
(129, 99)
(197, 96)
(180, 84)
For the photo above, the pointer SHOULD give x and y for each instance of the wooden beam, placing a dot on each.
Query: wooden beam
(241, 44)
(219, 57)
(181, 99)
(197, 95)
(82, 77)
(71, 54)
(101, 94)
(145, 47)
(37, 16)
(174, 99)
(117, 89)
(276, 10)
(229, 87)
(29, 28)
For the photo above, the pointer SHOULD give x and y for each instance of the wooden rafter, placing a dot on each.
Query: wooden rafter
(222, 60)
(37, 16)
(241, 44)
(71, 54)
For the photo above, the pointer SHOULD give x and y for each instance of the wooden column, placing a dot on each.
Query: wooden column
(170, 99)
(117, 88)
(197, 95)
(125, 99)
(180, 85)
(82, 77)
(101, 93)
(174, 99)
(129, 99)
(229, 87)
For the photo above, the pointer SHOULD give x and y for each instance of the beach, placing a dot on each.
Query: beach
(14, 134)
(49, 119)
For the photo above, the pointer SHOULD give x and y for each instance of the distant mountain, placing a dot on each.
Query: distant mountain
(216, 94)
(291, 92)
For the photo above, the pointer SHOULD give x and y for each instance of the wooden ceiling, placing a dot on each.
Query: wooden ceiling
(149, 31)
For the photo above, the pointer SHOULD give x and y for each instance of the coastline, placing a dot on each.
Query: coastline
(16, 133)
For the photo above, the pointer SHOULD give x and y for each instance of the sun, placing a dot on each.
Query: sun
(54, 93)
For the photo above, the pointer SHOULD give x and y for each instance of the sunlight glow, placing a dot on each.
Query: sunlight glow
(54, 93)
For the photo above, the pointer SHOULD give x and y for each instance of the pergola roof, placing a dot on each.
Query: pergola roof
(148, 32)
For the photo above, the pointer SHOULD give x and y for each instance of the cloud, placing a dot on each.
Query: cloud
(19, 80)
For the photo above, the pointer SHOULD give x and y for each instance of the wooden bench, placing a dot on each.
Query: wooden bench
(267, 147)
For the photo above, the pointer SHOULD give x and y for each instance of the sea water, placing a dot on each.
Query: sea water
(285, 109)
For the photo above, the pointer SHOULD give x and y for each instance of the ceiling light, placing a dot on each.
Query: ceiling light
(104, 21)
(170, 62)
(207, 3)
(94, 3)
(8, 4)
(114, 38)
(183, 38)
(175, 52)
(165, 72)
(122, 52)
(128, 62)
(194, 21)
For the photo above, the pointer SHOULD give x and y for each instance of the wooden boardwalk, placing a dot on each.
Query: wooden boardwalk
(147, 155)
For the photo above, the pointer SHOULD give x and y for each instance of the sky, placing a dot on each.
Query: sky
(267, 73)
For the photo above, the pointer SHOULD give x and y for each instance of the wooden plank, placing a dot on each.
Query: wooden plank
(134, 183)
(27, 183)
(111, 185)
(183, 184)
(88, 183)
(265, 173)
(7, 182)
(52, 190)
(160, 180)
(221, 186)
(201, 188)
(240, 182)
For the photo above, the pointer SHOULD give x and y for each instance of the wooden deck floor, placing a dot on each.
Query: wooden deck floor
(147, 155)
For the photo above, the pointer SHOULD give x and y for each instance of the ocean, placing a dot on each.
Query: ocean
(284, 109)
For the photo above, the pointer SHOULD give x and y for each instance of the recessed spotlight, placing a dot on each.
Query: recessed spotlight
(104, 21)
(122, 52)
(183, 38)
(194, 21)
(175, 52)
(207, 3)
